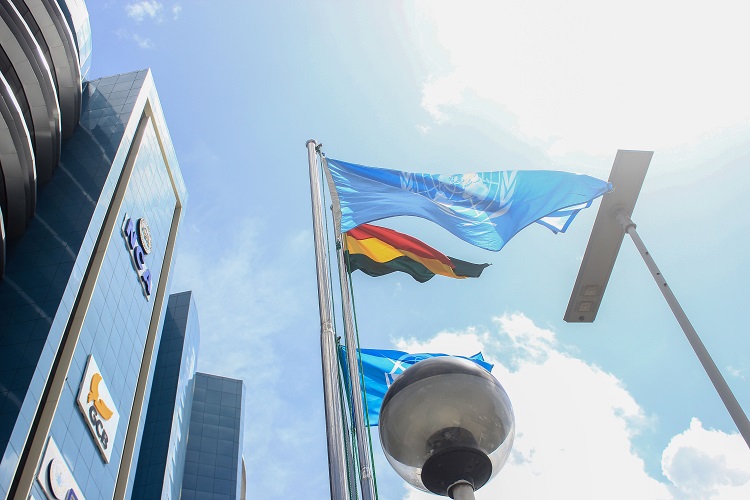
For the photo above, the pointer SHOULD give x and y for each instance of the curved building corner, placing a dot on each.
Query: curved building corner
(99, 394)
(45, 52)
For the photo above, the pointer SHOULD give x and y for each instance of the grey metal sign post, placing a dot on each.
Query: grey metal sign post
(612, 222)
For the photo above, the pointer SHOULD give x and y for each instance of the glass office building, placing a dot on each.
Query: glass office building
(192, 440)
(214, 468)
(91, 200)
(163, 450)
(80, 284)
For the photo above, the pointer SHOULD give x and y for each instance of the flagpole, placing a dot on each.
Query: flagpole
(721, 386)
(334, 430)
(363, 447)
(360, 428)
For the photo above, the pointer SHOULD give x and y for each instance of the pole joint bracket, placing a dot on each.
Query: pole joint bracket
(624, 220)
(327, 328)
(366, 472)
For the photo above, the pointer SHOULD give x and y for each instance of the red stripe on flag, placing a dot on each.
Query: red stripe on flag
(399, 241)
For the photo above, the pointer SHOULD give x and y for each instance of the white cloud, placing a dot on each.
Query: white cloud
(246, 297)
(176, 10)
(424, 129)
(143, 9)
(736, 372)
(143, 42)
(575, 424)
(260, 304)
(704, 463)
(592, 76)
(574, 421)
(465, 344)
(140, 41)
(440, 93)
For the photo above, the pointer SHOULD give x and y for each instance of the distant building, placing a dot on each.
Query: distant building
(164, 446)
(91, 200)
(214, 467)
(192, 439)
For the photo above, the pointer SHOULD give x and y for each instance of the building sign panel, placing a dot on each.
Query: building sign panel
(55, 477)
(98, 408)
(138, 239)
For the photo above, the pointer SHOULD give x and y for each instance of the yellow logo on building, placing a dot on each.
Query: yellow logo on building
(93, 396)
(98, 408)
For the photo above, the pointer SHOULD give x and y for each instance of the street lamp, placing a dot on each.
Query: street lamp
(628, 172)
(612, 222)
(447, 426)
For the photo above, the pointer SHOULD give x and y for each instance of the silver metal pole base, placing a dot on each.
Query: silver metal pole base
(461, 491)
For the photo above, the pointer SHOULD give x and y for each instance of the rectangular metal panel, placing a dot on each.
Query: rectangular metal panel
(628, 172)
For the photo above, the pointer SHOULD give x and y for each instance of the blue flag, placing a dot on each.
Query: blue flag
(380, 367)
(485, 209)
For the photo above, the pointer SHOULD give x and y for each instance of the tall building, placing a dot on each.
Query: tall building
(164, 447)
(45, 50)
(214, 467)
(85, 290)
(192, 439)
(91, 200)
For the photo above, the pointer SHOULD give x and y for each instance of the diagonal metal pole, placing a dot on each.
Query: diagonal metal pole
(334, 429)
(725, 393)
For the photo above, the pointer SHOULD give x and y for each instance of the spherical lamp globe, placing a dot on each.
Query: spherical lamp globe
(445, 422)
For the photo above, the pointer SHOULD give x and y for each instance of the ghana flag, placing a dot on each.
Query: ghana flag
(377, 251)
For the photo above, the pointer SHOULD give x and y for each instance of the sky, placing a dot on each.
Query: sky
(619, 408)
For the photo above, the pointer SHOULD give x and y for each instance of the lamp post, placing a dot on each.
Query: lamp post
(447, 426)
(612, 222)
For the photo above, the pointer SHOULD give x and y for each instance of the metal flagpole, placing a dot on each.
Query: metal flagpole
(331, 395)
(725, 393)
(363, 447)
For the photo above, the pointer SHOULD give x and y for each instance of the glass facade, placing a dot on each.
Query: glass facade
(98, 387)
(77, 16)
(213, 466)
(163, 449)
(117, 322)
(71, 263)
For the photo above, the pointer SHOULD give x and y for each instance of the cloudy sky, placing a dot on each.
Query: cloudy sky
(615, 409)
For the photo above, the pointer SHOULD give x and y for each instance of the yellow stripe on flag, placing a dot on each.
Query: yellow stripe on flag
(382, 252)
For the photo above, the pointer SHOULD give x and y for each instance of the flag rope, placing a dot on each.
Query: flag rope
(349, 443)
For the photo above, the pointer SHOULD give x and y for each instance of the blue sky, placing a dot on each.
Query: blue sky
(617, 408)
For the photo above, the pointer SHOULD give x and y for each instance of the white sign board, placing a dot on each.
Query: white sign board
(55, 477)
(98, 408)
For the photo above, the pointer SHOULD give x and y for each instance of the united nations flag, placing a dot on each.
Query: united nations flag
(485, 209)
(380, 367)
